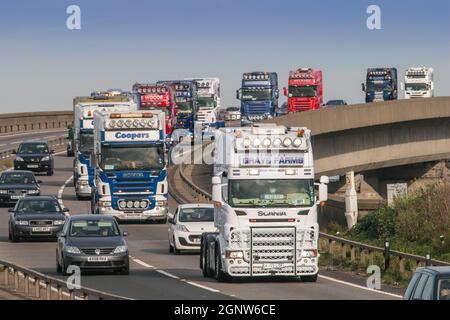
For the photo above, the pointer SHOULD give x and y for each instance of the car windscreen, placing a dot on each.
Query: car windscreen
(196, 215)
(93, 228)
(33, 148)
(17, 178)
(27, 206)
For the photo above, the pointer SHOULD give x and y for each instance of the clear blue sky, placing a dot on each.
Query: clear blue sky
(44, 65)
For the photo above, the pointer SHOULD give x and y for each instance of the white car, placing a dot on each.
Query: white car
(187, 225)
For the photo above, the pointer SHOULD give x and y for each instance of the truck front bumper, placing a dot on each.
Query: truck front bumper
(156, 214)
(242, 268)
(83, 190)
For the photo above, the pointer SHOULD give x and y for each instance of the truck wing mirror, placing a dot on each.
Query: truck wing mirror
(324, 179)
(363, 87)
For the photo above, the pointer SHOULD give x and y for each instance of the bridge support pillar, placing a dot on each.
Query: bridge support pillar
(351, 200)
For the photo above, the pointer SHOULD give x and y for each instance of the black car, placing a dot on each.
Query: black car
(335, 103)
(15, 185)
(430, 283)
(34, 156)
(92, 242)
(36, 217)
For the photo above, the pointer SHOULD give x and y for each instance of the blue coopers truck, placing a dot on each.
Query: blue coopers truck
(130, 165)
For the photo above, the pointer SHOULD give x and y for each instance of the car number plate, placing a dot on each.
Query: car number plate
(196, 241)
(98, 259)
(32, 166)
(134, 215)
(17, 197)
(41, 229)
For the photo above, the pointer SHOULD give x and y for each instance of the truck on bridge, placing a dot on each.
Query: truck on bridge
(130, 165)
(186, 103)
(305, 90)
(419, 83)
(265, 205)
(83, 110)
(157, 96)
(381, 84)
(258, 95)
(208, 98)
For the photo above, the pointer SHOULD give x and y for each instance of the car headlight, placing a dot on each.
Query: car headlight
(121, 249)
(58, 222)
(22, 223)
(33, 191)
(181, 228)
(104, 204)
(70, 249)
(18, 158)
(46, 158)
(3, 191)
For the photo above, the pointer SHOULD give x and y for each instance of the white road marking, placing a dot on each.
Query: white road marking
(167, 274)
(359, 287)
(61, 191)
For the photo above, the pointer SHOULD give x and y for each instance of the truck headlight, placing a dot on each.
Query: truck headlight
(120, 249)
(73, 250)
(234, 254)
(83, 182)
(308, 253)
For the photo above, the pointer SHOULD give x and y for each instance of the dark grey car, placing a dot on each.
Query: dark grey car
(36, 218)
(35, 156)
(92, 242)
(15, 185)
(430, 283)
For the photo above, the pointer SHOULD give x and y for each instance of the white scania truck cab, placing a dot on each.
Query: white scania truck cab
(265, 205)
(419, 83)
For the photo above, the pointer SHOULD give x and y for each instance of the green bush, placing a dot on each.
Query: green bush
(413, 223)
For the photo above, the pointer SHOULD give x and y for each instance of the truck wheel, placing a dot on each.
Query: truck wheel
(219, 275)
(309, 278)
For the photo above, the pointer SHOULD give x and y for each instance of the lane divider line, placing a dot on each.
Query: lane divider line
(359, 286)
(172, 276)
(61, 191)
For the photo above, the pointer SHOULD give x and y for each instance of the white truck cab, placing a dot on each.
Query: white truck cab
(265, 205)
(419, 83)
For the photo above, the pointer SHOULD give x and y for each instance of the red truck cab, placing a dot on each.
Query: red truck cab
(305, 90)
(157, 96)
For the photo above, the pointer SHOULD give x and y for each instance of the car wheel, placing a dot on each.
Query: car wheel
(58, 266)
(9, 235)
(170, 248)
(63, 268)
(175, 249)
(14, 238)
(309, 278)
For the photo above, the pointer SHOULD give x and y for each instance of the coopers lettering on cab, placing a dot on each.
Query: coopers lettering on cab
(131, 135)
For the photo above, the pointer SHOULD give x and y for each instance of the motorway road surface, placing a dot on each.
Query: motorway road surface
(156, 274)
(12, 140)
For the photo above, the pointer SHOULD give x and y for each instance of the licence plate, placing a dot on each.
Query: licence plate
(17, 197)
(134, 215)
(196, 241)
(271, 266)
(98, 259)
(41, 229)
(33, 166)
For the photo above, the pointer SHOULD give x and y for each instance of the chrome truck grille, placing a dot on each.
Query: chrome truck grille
(273, 251)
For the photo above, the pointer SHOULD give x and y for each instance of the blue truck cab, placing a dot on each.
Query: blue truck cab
(130, 166)
(186, 103)
(259, 96)
(381, 84)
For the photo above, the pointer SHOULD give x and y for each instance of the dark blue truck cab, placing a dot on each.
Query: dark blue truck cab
(381, 84)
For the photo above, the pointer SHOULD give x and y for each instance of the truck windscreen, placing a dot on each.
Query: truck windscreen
(254, 95)
(184, 106)
(416, 87)
(264, 193)
(206, 103)
(132, 158)
(301, 92)
(86, 143)
(371, 87)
